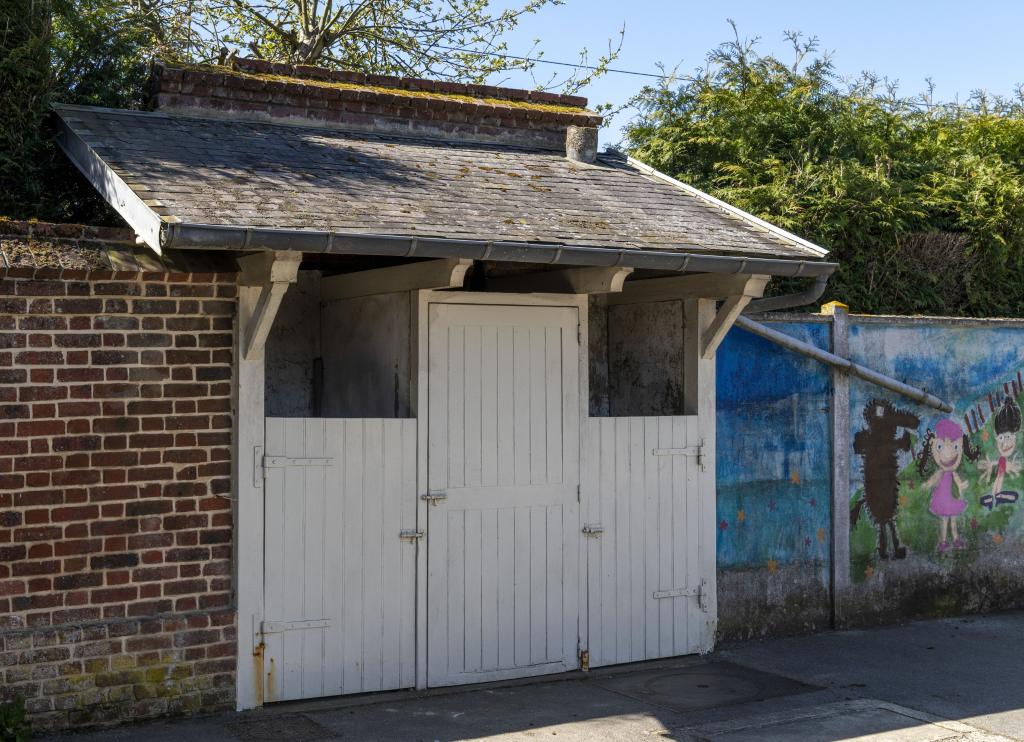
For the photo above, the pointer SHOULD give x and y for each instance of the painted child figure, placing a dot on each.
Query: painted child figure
(1007, 424)
(945, 447)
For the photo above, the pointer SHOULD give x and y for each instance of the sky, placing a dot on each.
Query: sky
(961, 46)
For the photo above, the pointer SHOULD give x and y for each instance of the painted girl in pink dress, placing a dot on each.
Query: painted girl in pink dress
(946, 447)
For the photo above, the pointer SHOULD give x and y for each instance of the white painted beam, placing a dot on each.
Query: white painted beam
(727, 314)
(724, 318)
(690, 286)
(580, 280)
(448, 273)
(272, 273)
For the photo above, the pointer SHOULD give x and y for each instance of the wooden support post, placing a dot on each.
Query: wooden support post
(699, 399)
(592, 280)
(449, 273)
(248, 510)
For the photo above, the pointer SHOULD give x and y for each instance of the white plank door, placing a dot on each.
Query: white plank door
(641, 488)
(339, 583)
(503, 463)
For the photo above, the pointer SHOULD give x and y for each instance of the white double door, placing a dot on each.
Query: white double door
(503, 532)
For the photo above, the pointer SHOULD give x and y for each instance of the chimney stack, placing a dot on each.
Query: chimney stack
(581, 143)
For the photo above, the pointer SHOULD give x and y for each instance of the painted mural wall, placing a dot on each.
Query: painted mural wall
(774, 485)
(936, 522)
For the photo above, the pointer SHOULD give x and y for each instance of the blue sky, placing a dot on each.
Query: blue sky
(962, 46)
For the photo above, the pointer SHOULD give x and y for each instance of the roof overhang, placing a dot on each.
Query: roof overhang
(136, 212)
(162, 232)
(215, 236)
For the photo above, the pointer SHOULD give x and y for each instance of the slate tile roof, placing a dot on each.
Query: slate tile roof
(221, 171)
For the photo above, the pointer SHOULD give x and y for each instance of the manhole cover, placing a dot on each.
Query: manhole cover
(280, 727)
(702, 686)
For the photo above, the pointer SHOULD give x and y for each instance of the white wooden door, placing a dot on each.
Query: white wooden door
(503, 453)
(646, 595)
(339, 582)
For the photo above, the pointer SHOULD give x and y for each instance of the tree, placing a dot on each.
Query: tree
(921, 203)
(25, 84)
(441, 39)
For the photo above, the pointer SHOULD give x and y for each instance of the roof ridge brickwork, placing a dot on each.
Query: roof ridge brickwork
(257, 90)
(415, 84)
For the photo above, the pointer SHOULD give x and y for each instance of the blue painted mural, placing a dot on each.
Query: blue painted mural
(774, 452)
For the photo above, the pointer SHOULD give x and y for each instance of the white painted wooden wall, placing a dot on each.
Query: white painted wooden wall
(339, 585)
(641, 487)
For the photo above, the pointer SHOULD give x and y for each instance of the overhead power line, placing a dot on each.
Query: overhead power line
(540, 60)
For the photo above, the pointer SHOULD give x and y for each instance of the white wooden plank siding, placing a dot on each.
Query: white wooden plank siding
(339, 584)
(641, 487)
(502, 548)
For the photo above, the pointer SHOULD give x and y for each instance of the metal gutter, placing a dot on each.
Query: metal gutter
(214, 236)
(789, 301)
(843, 364)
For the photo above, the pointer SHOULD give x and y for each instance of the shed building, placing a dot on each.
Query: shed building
(469, 385)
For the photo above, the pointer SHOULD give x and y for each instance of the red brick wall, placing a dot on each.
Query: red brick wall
(115, 517)
(373, 103)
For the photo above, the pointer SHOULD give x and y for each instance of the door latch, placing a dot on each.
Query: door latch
(593, 531)
(434, 498)
(410, 535)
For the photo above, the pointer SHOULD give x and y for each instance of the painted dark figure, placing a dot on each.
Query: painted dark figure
(879, 445)
(1007, 424)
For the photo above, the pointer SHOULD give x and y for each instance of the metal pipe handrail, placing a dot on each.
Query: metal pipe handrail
(843, 364)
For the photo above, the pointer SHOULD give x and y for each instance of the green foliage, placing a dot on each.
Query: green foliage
(25, 85)
(922, 204)
(91, 52)
(13, 726)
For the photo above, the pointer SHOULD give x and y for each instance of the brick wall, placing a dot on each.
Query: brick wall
(263, 90)
(115, 522)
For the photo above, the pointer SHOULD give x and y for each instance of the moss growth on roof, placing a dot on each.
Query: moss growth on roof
(400, 92)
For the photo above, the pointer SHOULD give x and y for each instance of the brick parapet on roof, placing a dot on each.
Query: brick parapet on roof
(254, 89)
(44, 250)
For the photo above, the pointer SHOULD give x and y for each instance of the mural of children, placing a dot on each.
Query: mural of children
(1007, 424)
(946, 447)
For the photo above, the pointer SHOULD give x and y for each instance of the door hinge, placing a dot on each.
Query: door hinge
(262, 462)
(692, 451)
(700, 593)
(278, 627)
(579, 333)
(578, 493)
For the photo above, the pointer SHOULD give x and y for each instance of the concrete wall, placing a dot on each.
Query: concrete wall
(777, 531)
(636, 359)
(293, 352)
(774, 486)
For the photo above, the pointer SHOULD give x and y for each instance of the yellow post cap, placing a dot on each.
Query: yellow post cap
(832, 306)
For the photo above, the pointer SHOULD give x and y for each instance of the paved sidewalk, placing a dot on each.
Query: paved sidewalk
(948, 680)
